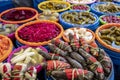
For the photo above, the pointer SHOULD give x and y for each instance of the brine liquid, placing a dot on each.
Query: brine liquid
(115, 46)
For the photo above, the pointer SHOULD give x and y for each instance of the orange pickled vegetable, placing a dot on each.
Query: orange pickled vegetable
(5, 47)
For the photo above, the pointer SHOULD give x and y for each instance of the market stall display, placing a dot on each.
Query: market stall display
(48, 15)
(59, 42)
(54, 6)
(109, 19)
(87, 34)
(18, 15)
(88, 57)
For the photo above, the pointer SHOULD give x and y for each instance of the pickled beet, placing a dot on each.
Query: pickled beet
(80, 7)
(39, 32)
(111, 19)
(18, 15)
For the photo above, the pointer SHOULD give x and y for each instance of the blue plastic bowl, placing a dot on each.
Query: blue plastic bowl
(35, 4)
(99, 13)
(67, 25)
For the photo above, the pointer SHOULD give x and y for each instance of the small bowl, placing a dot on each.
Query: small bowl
(60, 10)
(46, 19)
(21, 21)
(67, 25)
(99, 13)
(67, 40)
(37, 43)
(104, 22)
(38, 67)
(4, 56)
(101, 41)
(71, 8)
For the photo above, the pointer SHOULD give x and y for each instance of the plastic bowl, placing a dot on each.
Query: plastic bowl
(46, 19)
(37, 43)
(60, 10)
(67, 25)
(104, 22)
(71, 8)
(22, 21)
(39, 68)
(101, 41)
(93, 36)
(4, 56)
(99, 13)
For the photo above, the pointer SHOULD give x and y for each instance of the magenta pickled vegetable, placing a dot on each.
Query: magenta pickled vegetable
(80, 7)
(39, 32)
(111, 19)
(18, 15)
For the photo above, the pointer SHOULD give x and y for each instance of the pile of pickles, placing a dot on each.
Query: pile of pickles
(108, 7)
(111, 36)
(53, 6)
(6, 29)
(48, 15)
(79, 18)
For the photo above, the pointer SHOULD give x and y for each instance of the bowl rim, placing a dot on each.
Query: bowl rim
(67, 40)
(67, 3)
(101, 41)
(22, 21)
(8, 51)
(37, 43)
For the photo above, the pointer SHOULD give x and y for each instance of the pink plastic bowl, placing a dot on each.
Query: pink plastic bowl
(38, 67)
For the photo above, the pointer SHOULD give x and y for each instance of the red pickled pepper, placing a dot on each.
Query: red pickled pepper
(69, 73)
(31, 70)
(4, 69)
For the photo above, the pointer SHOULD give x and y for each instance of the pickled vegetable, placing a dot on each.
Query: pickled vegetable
(79, 18)
(48, 15)
(111, 36)
(53, 6)
(108, 8)
(6, 29)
